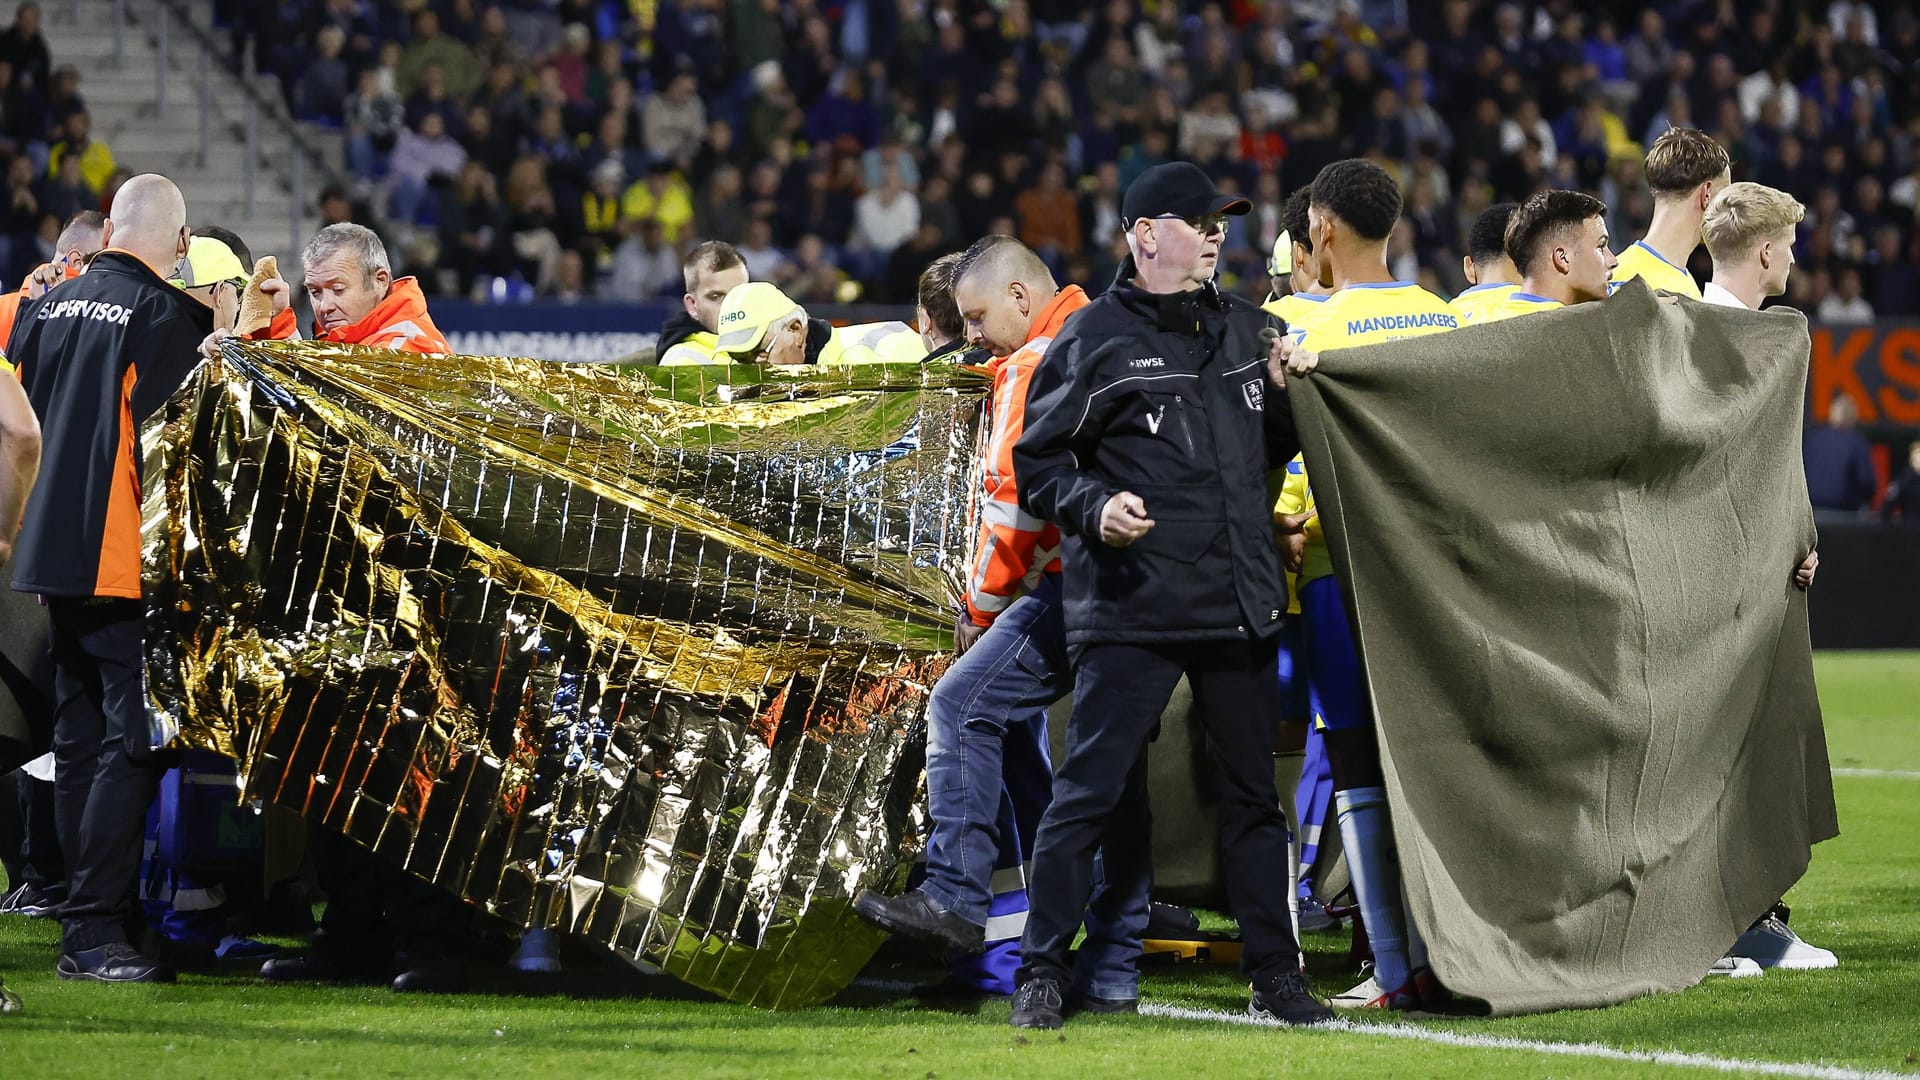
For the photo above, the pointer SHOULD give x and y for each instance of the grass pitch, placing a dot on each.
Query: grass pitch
(1861, 898)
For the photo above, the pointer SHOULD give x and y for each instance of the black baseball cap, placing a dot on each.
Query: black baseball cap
(1180, 188)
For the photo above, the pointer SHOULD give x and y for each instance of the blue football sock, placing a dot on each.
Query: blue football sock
(1367, 831)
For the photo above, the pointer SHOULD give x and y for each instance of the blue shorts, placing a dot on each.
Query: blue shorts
(1295, 703)
(1334, 686)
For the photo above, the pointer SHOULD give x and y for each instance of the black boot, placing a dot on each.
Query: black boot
(915, 915)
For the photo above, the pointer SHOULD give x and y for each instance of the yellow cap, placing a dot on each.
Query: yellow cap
(747, 312)
(1280, 263)
(208, 261)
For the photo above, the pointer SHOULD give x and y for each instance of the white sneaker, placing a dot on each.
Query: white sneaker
(1737, 967)
(1369, 995)
(1770, 943)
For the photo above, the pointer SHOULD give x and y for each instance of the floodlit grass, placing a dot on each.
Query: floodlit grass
(1861, 898)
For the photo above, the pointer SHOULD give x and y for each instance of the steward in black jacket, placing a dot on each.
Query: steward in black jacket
(1166, 396)
(1150, 428)
(97, 355)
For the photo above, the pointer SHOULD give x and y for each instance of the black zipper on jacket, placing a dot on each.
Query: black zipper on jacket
(1186, 431)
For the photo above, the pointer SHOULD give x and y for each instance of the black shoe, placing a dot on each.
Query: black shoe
(1088, 1003)
(322, 967)
(915, 915)
(432, 975)
(1038, 1004)
(34, 901)
(117, 962)
(1288, 999)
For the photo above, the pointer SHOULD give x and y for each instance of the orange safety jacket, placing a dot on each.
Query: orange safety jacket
(1015, 547)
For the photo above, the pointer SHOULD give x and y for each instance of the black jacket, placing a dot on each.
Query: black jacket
(678, 328)
(1166, 397)
(97, 356)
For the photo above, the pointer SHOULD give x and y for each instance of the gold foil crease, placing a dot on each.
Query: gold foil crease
(636, 653)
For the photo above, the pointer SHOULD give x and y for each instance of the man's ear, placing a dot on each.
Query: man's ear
(106, 234)
(383, 280)
(1766, 255)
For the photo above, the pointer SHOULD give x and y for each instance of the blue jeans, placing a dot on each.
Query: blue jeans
(986, 728)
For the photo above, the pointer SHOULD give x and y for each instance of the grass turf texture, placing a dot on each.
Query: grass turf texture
(1861, 898)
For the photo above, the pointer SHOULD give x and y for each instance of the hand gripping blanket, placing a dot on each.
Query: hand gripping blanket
(1569, 542)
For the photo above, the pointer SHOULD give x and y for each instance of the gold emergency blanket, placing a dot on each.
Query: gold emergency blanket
(632, 653)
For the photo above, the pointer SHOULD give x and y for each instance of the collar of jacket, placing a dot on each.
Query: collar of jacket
(957, 345)
(403, 301)
(819, 332)
(123, 262)
(1179, 313)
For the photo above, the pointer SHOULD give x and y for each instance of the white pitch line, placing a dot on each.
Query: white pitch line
(1886, 774)
(1585, 1050)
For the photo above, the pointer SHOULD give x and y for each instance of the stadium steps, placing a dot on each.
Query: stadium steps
(123, 98)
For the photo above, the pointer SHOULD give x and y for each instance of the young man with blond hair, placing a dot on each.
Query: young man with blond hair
(1749, 230)
(1685, 168)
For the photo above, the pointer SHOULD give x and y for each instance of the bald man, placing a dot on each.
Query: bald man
(97, 356)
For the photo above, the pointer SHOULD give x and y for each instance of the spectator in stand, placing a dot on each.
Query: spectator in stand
(24, 47)
(1846, 304)
(321, 93)
(63, 95)
(375, 117)
(595, 229)
(1050, 216)
(431, 47)
(66, 193)
(430, 97)
(765, 262)
(901, 283)
(883, 219)
(1902, 500)
(660, 196)
(475, 241)
(420, 159)
(673, 123)
(532, 219)
(645, 267)
(96, 161)
(812, 278)
(1839, 461)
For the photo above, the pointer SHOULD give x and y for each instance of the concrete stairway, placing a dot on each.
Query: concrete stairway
(149, 111)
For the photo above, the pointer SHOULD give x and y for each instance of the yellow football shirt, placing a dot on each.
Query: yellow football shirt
(1372, 313)
(1515, 303)
(1474, 302)
(1294, 307)
(1641, 261)
(1367, 314)
(1296, 497)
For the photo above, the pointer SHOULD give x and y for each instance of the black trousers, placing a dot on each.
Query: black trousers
(104, 775)
(373, 906)
(29, 841)
(1119, 694)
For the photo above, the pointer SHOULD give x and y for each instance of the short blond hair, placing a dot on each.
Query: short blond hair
(1744, 214)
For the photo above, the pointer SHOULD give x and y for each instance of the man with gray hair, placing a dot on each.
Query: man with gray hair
(97, 357)
(357, 300)
(355, 297)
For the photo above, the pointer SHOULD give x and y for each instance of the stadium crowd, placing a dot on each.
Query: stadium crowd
(578, 146)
